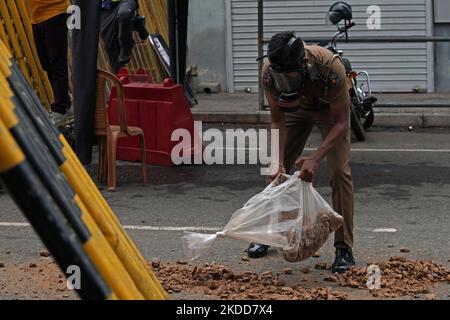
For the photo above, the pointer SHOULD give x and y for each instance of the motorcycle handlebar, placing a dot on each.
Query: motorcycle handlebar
(343, 29)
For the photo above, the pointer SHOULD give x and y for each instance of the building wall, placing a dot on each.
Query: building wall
(207, 40)
(442, 58)
(393, 67)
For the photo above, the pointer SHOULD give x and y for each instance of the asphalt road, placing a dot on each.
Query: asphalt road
(402, 183)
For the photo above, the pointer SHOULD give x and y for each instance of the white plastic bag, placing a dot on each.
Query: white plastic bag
(280, 216)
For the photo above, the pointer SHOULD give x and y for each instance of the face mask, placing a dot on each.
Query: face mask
(288, 83)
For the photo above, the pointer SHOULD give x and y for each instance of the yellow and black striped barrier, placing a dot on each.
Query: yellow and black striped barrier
(32, 148)
(48, 221)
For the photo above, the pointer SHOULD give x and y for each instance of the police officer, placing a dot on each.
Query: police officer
(118, 21)
(305, 87)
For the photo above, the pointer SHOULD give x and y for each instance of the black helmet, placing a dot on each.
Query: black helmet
(340, 11)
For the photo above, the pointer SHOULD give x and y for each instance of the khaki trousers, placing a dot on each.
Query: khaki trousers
(299, 125)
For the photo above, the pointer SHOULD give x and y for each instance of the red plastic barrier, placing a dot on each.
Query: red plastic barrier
(140, 76)
(159, 109)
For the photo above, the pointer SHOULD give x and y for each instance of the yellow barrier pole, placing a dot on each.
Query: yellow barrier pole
(3, 36)
(125, 248)
(109, 225)
(38, 207)
(11, 155)
(27, 24)
(106, 260)
(97, 248)
(15, 44)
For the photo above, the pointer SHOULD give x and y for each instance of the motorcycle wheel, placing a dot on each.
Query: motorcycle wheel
(357, 127)
(368, 122)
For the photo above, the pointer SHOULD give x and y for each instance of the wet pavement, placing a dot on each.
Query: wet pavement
(402, 184)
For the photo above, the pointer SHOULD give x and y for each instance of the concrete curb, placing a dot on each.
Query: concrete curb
(391, 110)
(382, 119)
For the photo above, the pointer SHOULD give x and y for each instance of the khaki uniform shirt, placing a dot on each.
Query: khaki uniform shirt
(326, 81)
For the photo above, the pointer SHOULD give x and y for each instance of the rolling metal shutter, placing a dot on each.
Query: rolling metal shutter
(394, 67)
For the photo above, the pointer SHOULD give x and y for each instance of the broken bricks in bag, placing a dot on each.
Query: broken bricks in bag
(288, 215)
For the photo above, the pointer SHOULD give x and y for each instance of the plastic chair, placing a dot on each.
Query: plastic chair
(109, 134)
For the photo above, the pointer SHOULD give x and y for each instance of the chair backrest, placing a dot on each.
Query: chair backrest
(101, 114)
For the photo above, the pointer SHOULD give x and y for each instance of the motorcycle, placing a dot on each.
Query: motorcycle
(362, 100)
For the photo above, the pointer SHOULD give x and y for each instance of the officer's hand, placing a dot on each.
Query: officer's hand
(308, 167)
(275, 172)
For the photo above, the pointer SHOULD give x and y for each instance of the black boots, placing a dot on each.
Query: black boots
(125, 56)
(344, 260)
(126, 41)
(256, 250)
(139, 27)
(344, 257)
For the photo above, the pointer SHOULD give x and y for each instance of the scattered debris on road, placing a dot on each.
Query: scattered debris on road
(305, 270)
(399, 277)
(321, 266)
(288, 271)
(156, 263)
(44, 254)
(34, 281)
(219, 281)
(331, 279)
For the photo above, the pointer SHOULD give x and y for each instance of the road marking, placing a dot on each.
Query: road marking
(128, 227)
(14, 224)
(385, 230)
(153, 228)
(191, 229)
